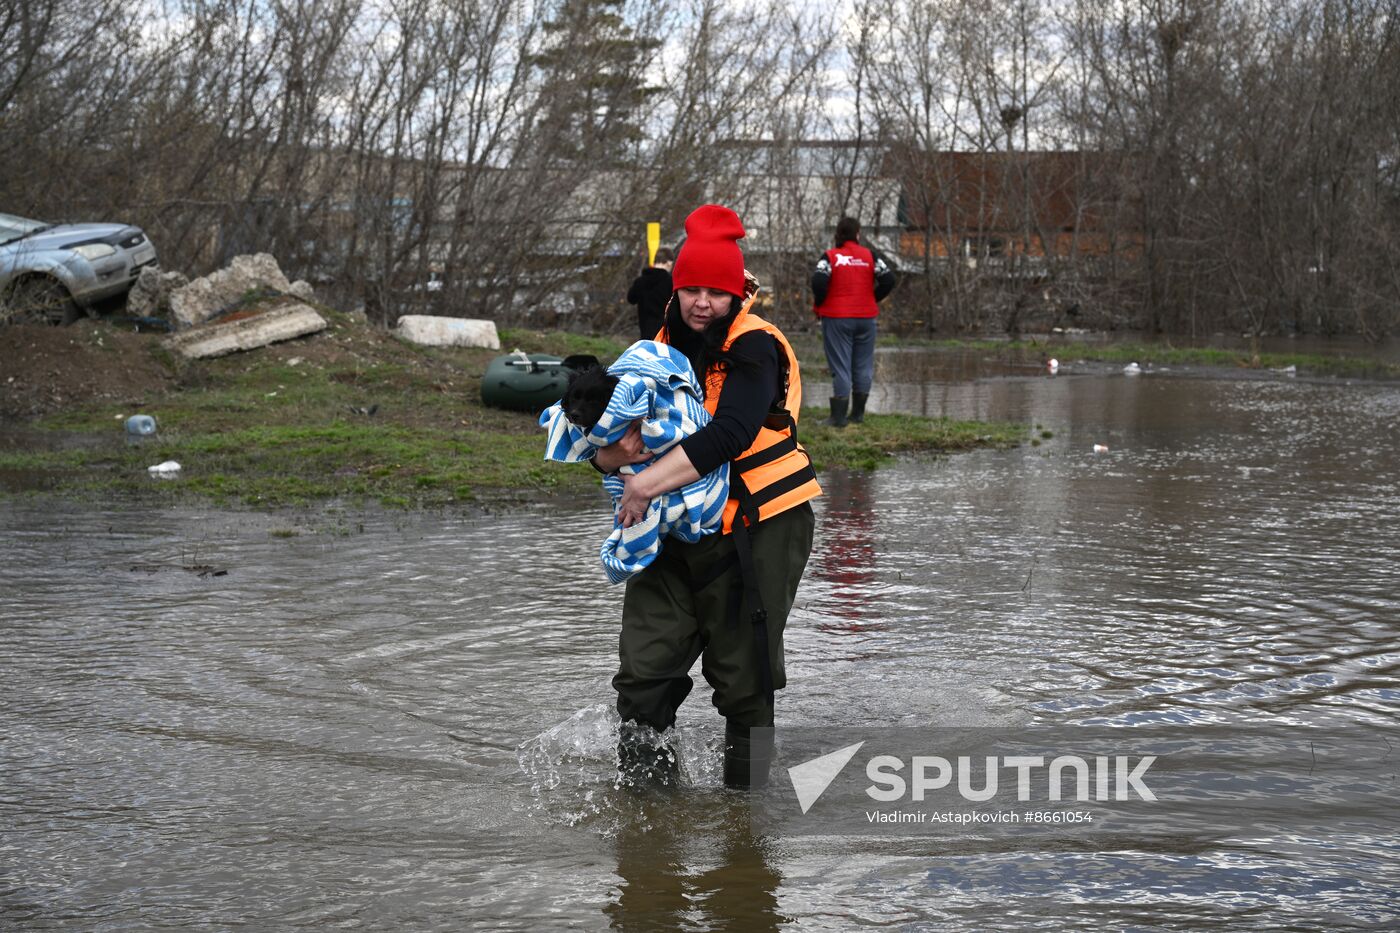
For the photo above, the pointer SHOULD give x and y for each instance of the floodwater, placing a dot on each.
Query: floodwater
(342, 719)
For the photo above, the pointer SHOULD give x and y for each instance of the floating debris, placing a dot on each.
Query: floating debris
(1132, 369)
(199, 570)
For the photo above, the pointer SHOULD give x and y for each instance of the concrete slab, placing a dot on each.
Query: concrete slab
(432, 331)
(204, 298)
(283, 322)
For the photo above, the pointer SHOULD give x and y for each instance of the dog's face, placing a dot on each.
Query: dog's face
(587, 397)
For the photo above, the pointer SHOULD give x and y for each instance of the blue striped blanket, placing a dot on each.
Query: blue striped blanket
(658, 386)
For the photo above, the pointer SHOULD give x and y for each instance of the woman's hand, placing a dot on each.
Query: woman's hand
(669, 473)
(627, 449)
(633, 507)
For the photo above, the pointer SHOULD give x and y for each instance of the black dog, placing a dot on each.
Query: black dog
(587, 396)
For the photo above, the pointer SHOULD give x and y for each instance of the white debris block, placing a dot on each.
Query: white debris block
(204, 298)
(150, 296)
(432, 331)
(288, 320)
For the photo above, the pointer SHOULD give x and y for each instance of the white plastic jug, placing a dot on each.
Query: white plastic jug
(140, 424)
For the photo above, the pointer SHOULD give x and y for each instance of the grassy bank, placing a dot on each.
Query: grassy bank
(359, 415)
(866, 446)
(1162, 354)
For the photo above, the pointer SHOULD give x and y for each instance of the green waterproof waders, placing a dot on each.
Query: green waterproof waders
(690, 604)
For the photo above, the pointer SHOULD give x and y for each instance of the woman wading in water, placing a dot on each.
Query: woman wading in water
(724, 599)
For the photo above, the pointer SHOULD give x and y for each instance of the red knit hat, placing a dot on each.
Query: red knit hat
(711, 257)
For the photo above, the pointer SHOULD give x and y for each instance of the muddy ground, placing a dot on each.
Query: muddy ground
(48, 369)
(53, 370)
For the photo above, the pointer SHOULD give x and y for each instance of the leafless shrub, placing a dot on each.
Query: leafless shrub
(1179, 165)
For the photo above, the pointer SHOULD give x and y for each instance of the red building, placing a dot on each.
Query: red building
(1014, 212)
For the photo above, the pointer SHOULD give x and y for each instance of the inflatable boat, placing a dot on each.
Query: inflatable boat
(530, 381)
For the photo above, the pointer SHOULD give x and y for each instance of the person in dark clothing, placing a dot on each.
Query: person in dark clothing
(706, 600)
(650, 291)
(848, 284)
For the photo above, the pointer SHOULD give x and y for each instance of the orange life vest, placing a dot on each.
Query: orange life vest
(775, 473)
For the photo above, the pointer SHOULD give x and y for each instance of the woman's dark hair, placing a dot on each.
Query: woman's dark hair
(847, 229)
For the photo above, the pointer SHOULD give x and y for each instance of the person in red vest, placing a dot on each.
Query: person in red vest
(848, 285)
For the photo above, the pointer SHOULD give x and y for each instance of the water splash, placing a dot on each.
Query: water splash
(573, 768)
(580, 751)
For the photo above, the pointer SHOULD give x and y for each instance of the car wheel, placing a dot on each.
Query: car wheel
(40, 300)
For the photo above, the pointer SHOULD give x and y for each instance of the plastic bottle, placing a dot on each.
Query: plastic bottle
(141, 424)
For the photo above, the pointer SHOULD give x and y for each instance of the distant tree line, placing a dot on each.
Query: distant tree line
(498, 158)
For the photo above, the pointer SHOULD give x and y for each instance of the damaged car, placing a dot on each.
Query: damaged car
(53, 273)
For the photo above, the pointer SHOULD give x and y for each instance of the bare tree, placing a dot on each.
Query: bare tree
(1181, 165)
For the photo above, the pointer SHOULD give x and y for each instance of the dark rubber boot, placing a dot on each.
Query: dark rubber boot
(858, 407)
(838, 412)
(746, 759)
(645, 764)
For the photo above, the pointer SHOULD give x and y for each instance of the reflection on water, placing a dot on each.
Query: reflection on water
(328, 734)
(695, 867)
(847, 560)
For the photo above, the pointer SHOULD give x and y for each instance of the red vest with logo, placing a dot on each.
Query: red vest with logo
(852, 289)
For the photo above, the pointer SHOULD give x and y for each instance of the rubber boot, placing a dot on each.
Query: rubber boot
(858, 407)
(645, 764)
(838, 412)
(746, 759)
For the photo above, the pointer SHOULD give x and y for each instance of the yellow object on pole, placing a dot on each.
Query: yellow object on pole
(653, 241)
